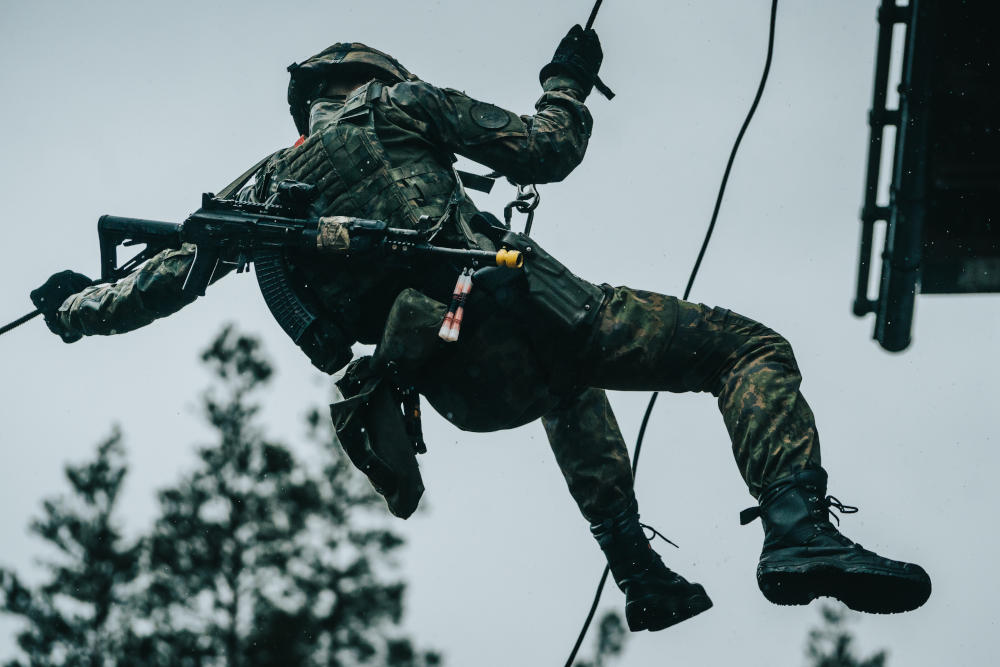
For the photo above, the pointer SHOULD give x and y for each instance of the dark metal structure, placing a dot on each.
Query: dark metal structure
(943, 212)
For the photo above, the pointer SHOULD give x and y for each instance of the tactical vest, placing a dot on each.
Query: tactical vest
(356, 175)
(367, 166)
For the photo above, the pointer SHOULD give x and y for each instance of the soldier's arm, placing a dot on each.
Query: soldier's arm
(151, 292)
(541, 148)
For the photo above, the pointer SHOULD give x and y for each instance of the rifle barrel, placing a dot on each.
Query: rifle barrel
(507, 258)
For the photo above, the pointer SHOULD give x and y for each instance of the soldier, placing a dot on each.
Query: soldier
(379, 143)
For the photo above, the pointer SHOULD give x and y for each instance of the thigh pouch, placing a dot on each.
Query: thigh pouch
(378, 422)
(377, 437)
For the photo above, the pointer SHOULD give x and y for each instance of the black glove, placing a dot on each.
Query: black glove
(51, 295)
(578, 57)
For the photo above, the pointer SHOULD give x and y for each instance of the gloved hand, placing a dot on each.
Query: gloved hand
(578, 56)
(51, 295)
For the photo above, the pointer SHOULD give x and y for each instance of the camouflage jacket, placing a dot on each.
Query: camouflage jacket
(384, 152)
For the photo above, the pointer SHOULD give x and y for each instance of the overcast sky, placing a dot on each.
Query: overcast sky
(136, 109)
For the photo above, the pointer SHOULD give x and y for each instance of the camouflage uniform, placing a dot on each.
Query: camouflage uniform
(385, 153)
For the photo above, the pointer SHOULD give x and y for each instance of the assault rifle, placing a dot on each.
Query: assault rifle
(239, 232)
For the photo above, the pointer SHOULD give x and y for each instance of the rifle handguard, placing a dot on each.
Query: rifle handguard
(340, 235)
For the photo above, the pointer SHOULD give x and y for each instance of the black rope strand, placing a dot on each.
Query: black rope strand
(607, 569)
(593, 15)
(590, 617)
(687, 290)
(736, 146)
(19, 321)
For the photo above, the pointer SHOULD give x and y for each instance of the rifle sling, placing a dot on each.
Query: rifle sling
(231, 189)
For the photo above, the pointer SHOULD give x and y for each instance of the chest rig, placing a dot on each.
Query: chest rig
(357, 174)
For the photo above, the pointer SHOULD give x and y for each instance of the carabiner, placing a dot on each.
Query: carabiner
(526, 202)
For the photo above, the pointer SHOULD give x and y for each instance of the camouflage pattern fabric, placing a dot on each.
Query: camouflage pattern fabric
(498, 375)
(309, 78)
(386, 153)
(388, 158)
(591, 454)
(653, 342)
(152, 292)
(495, 377)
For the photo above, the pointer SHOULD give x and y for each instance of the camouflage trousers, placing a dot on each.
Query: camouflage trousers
(653, 342)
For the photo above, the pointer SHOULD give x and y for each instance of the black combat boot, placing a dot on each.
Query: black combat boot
(806, 557)
(655, 596)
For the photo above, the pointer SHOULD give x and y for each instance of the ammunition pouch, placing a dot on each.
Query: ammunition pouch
(410, 336)
(559, 296)
(564, 299)
(373, 432)
(379, 437)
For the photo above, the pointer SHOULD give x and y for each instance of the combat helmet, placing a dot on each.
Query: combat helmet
(308, 77)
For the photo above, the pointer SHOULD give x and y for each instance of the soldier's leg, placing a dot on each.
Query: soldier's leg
(651, 341)
(591, 453)
(589, 448)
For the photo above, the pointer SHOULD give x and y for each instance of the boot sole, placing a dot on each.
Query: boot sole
(656, 612)
(867, 591)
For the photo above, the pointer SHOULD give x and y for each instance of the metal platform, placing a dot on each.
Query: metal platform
(942, 217)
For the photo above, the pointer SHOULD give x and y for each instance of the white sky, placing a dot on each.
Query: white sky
(136, 109)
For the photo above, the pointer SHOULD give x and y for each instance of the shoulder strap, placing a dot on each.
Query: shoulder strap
(233, 187)
(359, 101)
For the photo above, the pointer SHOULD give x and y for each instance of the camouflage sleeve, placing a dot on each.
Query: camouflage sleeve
(541, 148)
(151, 292)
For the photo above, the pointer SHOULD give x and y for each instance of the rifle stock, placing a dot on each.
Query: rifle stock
(113, 231)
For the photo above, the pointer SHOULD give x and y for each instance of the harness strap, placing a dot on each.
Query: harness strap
(231, 189)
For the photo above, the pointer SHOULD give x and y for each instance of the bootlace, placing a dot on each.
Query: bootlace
(656, 534)
(829, 503)
(833, 503)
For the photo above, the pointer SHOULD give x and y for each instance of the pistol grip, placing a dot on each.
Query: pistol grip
(202, 270)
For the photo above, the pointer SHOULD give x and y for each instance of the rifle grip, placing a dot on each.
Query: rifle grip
(202, 270)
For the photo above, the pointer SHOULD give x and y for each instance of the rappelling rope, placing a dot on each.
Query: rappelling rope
(593, 15)
(19, 321)
(687, 290)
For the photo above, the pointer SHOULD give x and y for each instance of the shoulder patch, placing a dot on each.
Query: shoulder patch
(489, 116)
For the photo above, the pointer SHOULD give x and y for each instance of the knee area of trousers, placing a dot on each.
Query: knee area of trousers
(768, 343)
(758, 338)
(777, 348)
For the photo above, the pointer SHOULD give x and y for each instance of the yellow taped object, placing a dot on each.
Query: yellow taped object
(512, 259)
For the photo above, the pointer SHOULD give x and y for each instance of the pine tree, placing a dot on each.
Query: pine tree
(78, 616)
(832, 645)
(610, 641)
(256, 560)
